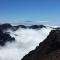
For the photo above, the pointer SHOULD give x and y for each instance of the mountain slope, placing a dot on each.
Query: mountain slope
(49, 49)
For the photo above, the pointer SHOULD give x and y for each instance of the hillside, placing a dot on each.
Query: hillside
(49, 49)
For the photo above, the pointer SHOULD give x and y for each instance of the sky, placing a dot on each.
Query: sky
(41, 11)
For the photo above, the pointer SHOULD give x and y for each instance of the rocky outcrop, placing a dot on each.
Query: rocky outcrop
(5, 26)
(5, 37)
(49, 49)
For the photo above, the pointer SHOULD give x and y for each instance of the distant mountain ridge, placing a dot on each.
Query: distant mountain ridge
(6, 26)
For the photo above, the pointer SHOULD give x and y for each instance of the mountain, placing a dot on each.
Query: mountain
(37, 26)
(9, 26)
(49, 49)
(5, 26)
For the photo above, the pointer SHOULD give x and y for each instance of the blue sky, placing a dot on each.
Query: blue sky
(30, 10)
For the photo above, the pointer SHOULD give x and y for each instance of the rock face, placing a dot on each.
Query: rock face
(49, 49)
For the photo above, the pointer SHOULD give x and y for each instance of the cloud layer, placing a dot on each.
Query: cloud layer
(25, 41)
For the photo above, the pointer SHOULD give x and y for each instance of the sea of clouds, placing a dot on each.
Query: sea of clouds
(26, 40)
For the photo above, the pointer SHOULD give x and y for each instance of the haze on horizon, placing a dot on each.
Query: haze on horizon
(41, 11)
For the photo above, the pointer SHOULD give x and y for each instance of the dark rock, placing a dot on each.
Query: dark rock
(5, 37)
(37, 26)
(45, 50)
(20, 26)
(58, 28)
(5, 26)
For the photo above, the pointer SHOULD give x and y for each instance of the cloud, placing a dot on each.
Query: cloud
(26, 40)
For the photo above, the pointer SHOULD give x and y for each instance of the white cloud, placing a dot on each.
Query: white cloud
(26, 40)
